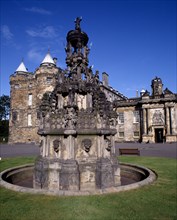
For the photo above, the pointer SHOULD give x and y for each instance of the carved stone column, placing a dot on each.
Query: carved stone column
(144, 122)
(71, 147)
(167, 120)
(147, 121)
(99, 144)
(170, 120)
(113, 144)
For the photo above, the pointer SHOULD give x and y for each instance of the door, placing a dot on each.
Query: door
(159, 135)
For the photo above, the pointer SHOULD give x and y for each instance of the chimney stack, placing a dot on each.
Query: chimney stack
(105, 79)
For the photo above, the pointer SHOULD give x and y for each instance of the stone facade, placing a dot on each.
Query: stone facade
(148, 118)
(27, 90)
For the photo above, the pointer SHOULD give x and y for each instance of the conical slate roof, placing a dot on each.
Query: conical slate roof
(21, 68)
(48, 59)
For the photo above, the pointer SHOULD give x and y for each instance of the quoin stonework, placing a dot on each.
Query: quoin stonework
(149, 117)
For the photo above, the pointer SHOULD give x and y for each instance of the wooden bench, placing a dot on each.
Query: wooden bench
(129, 151)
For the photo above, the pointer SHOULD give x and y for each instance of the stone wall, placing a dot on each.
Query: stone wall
(155, 117)
(22, 112)
(44, 80)
(126, 131)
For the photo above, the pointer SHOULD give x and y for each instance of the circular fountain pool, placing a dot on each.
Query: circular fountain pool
(21, 179)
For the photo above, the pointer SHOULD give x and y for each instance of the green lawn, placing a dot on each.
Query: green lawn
(157, 201)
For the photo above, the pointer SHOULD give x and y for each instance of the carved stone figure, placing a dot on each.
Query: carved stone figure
(87, 143)
(96, 78)
(76, 116)
(70, 118)
(158, 118)
(56, 145)
(77, 23)
(108, 144)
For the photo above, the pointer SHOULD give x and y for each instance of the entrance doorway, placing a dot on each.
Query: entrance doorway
(159, 135)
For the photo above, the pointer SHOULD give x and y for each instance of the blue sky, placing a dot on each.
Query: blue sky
(133, 41)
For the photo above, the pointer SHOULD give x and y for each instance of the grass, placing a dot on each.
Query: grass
(155, 202)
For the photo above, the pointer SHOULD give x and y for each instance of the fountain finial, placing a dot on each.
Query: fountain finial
(77, 23)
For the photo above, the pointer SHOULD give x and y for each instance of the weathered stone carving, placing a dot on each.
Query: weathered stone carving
(108, 144)
(70, 118)
(78, 126)
(77, 22)
(87, 143)
(158, 118)
(56, 145)
(41, 146)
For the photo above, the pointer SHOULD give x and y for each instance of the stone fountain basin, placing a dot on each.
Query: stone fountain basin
(20, 179)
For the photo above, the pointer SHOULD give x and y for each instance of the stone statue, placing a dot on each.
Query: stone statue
(77, 23)
(108, 144)
(56, 145)
(68, 50)
(87, 143)
(96, 77)
(70, 118)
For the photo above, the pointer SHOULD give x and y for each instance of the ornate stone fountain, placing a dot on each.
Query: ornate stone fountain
(77, 127)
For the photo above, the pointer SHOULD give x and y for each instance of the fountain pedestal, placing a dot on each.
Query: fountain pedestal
(77, 128)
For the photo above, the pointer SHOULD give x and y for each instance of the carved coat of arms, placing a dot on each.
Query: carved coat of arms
(158, 118)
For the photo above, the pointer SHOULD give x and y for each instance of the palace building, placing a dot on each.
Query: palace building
(150, 117)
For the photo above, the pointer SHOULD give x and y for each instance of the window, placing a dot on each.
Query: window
(14, 116)
(121, 118)
(29, 120)
(38, 114)
(136, 117)
(121, 134)
(136, 134)
(17, 86)
(49, 79)
(30, 97)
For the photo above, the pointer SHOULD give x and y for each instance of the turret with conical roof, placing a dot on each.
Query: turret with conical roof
(48, 60)
(21, 68)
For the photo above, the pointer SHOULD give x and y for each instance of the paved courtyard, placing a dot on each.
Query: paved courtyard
(151, 150)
